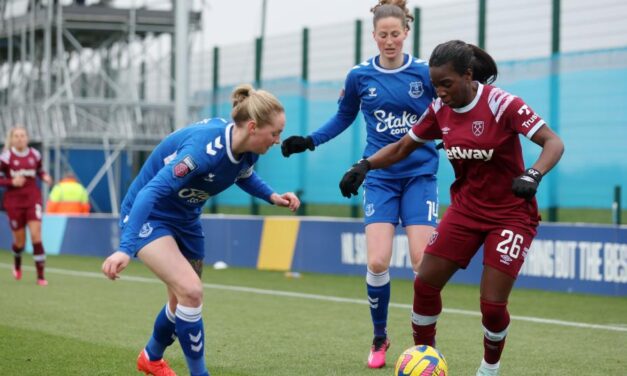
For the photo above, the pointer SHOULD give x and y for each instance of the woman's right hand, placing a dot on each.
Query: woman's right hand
(296, 144)
(18, 181)
(114, 264)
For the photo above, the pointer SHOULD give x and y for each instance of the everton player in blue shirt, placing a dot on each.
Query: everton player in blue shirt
(392, 90)
(160, 213)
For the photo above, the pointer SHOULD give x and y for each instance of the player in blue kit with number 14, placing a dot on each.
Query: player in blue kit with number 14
(160, 214)
(392, 90)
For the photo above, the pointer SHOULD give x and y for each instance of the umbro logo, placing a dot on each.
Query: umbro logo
(506, 259)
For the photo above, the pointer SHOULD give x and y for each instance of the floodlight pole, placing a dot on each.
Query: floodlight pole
(254, 205)
(555, 101)
(264, 7)
(181, 63)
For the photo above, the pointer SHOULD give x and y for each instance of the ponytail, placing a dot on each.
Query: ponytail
(464, 56)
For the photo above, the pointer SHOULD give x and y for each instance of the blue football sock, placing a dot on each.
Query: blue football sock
(190, 331)
(162, 334)
(378, 285)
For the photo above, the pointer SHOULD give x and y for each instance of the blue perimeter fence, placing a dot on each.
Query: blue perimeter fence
(563, 257)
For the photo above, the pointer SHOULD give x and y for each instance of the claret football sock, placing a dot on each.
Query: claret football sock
(17, 257)
(40, 260)
(426, 311)
(17, 262)
(495, 320)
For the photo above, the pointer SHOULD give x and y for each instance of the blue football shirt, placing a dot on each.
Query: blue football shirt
(391, 101)
(182, 173)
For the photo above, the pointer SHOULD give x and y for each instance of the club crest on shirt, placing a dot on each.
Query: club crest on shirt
(416, 89)
(477, 128)
(184, 167)
(369, 210)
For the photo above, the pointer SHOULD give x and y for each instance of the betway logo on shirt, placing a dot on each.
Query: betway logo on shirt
(24, 172)
(457, 152)
(392, 123)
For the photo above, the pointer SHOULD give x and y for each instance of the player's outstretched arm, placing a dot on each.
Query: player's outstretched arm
(296, 144)
(114, 264)
(386, 156)
(287, 200)
(394, 152)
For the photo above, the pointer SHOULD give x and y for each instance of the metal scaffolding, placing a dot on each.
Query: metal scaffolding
(91, 77)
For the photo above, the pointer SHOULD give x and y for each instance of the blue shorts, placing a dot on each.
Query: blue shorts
(188, 236)
(413, 200)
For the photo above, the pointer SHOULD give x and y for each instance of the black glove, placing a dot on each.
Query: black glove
(296, 144)
(353, 178)
(526, 185)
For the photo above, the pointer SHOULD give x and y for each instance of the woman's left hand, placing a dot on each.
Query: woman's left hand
(287, 200)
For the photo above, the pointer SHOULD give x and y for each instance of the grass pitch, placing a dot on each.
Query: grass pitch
(261, 323)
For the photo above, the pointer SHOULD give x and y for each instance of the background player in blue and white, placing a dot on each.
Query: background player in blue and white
(160, 213)
(392, 89)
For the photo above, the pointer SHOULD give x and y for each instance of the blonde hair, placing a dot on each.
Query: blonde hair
(251, 104)
(392, 8)
(9, 136)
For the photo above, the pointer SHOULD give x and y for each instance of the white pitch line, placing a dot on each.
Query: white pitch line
(615, 328)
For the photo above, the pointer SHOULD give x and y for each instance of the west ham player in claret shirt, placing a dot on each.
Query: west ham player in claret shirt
(20, 165)
(492, 197)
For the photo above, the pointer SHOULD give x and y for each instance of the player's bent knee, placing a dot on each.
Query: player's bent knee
(191, 295)
(378, 266)
(427, 298)
(494, 316)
